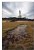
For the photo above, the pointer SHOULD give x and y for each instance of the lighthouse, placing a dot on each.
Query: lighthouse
(19, 14)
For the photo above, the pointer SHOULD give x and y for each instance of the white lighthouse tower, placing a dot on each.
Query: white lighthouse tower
(19, 14)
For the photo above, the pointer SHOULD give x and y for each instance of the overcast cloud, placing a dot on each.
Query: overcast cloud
(11, 9)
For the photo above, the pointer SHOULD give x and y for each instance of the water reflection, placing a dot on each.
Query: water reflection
(15, 36)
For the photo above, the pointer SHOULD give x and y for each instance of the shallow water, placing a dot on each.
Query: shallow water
(14, 36)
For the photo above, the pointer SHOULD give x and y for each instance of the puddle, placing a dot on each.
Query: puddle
(19, 29)
(14, 36)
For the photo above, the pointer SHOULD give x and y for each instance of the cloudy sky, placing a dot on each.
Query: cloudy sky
(11, 9)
